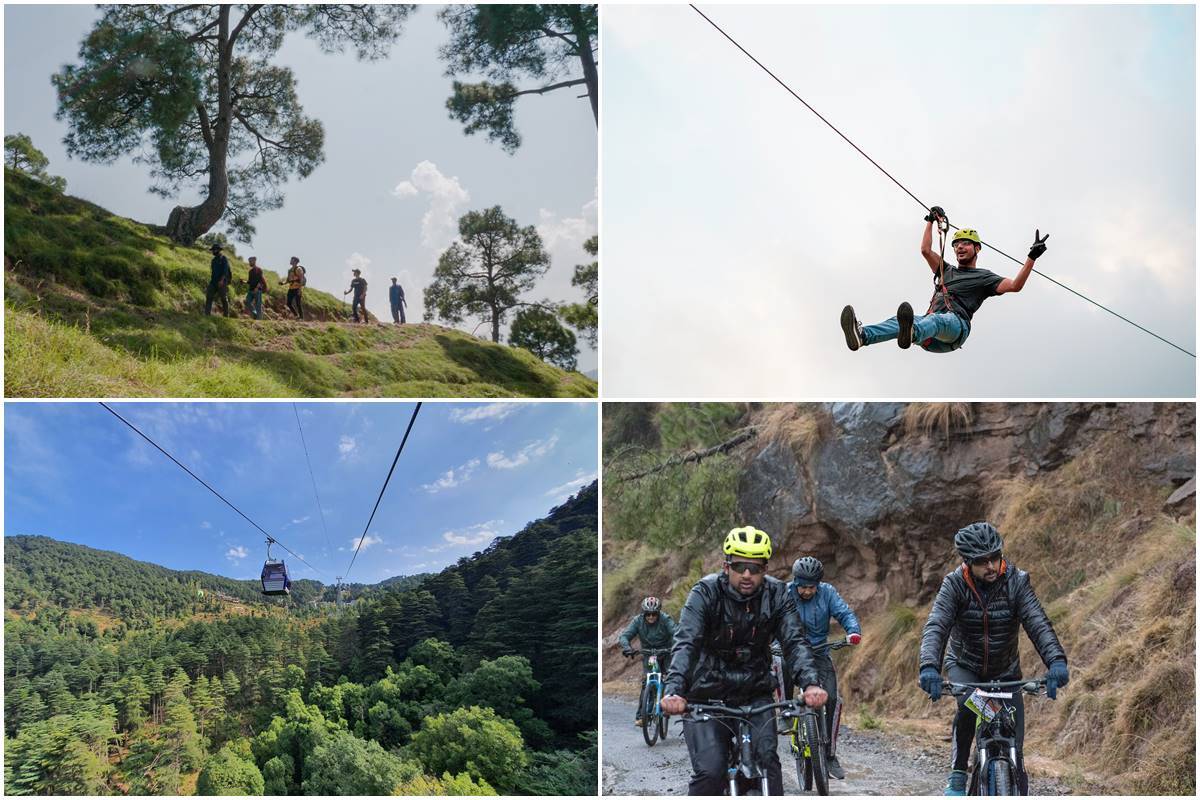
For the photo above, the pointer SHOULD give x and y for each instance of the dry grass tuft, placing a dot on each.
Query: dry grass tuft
(802, 426)
(925, 418)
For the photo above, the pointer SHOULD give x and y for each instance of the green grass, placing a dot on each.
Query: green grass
(98, 305)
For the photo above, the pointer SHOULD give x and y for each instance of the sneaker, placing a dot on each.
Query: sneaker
(904, 315)
(834, 768)
(852, 328)
(639, 723)
(956, 786)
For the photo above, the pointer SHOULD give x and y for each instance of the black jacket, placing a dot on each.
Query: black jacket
(982, 624)
(220, 270)
(723, 640)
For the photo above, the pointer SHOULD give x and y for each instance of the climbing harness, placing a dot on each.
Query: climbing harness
(905, 189)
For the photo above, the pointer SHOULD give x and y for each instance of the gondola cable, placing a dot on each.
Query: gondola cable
(311, 477)
(917, 199)
(202, 482)
(383, 489)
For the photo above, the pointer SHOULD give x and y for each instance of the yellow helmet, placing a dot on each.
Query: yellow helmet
(970, 234)
(747, 542)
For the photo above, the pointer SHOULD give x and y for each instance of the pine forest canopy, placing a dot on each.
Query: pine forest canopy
(190, 91)
(378, 699)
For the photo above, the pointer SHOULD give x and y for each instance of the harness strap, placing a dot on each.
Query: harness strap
(943, 226)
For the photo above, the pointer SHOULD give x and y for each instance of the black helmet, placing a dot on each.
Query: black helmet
(216, 248)
(977, 540)
(651, 605)
(808, 571)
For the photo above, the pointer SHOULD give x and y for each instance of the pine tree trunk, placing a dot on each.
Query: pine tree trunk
(590, 73)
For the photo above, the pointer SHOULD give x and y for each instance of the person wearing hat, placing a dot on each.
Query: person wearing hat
(396, 297)
(958, 293)
(359, 286)
(218, 283)
(295, 280)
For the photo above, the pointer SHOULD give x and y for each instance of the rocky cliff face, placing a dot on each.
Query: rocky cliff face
(879, 503)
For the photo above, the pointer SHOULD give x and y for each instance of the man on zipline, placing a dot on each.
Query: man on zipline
(958, 293)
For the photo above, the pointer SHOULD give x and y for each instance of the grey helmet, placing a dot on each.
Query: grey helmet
(808, 571)
(977, 540)
(651, 605)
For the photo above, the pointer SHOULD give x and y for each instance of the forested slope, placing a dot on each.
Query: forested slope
(479, 679)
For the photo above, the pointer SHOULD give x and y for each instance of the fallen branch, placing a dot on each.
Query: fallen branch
(693, 456)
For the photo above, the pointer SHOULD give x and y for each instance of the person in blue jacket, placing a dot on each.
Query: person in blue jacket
(818, 602)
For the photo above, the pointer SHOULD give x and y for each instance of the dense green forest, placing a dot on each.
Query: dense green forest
(123, 677)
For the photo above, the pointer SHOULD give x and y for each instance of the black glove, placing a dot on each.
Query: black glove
(1039, 245)
(935, 212)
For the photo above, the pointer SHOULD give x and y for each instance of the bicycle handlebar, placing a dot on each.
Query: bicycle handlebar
(709, 710)
(1033, 686)
(639, 652)
(836, 645)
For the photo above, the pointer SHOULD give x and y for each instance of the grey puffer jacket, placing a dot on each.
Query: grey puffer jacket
(982, 623)
(723, 642)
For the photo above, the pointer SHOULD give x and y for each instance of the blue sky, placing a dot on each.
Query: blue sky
(470, 472)
(398, 172)
(736, 222)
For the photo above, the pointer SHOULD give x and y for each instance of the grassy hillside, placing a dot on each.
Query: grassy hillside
(97, 305)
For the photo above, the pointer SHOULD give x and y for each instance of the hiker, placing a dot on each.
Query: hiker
(218, 283)
(359, 286)
(295, 280)
(257, 287)
(958, 293)
(396, 296)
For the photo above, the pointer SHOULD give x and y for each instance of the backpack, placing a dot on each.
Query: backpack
(303, 275)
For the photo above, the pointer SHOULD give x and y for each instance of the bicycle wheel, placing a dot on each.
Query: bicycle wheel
(649, 723)
(816, 753)
(1000, 781)
(664, 724)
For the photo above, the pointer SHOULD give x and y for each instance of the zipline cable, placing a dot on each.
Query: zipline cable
(383, 489)
(917, 199)
(307, 461)
(203, 483)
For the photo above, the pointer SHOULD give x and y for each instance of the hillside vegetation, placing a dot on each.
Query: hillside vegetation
(456, 685)
(97, 305)
(1079, 492)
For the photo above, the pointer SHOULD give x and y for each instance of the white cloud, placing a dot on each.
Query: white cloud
(302, 519)
(346, 447)
(470, 536)
(447, 198)
(357, 261)
(455, 476)
(236, 554)
(567, 489)
(489, 411)
(367, 541)
(206, 524)
(523, 456)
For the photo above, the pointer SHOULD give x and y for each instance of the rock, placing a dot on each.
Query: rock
(1184, 497)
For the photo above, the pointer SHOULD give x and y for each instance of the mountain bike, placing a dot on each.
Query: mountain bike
(810, 749)
(742, 763)
(654, 721)
(995, 762)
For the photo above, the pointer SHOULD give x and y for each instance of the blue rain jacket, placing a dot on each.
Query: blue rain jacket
(816, 613)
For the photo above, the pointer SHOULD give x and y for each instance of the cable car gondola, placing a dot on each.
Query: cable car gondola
(275, 578)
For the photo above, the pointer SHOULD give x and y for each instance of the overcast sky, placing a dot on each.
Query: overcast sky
(737, 225)
(470, 472)
(398, 172)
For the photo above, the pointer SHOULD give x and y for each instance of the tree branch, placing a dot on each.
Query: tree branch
(550, 88)
(738, 438)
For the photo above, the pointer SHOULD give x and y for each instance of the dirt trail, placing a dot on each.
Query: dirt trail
(875, 763)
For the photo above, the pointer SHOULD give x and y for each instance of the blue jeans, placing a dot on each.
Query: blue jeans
(254, 303)
(947, 331)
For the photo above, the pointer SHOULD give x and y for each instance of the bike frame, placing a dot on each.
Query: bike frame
(654, 678)
(741, 755)
(996, 738)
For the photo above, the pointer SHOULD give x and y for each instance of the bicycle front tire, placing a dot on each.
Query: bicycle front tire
(649, 720)
(1000, 782)
(816, 756)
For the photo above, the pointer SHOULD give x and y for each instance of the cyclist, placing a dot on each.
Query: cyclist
(817, 602)
(654, 630)
(980, 609)
(722, 653)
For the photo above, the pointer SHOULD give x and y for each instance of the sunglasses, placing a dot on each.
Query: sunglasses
(983, 560)
(747, 566)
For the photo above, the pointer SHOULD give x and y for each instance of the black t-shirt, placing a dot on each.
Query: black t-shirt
(359, 285)
(968, 288)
